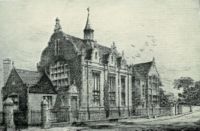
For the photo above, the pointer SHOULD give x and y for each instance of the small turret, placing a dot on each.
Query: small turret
(88, 31)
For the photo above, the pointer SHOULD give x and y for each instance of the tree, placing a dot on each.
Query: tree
(183, 82)
(196, 92)
(164, 100)
(188, 94)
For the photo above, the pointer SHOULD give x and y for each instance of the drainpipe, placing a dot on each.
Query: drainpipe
(119, 92)
(128, 94)
(147, 97)
(88, 109)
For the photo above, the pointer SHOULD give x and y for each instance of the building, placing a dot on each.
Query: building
(27, 89)
(89, 80)
(146, 84)
(91, 66)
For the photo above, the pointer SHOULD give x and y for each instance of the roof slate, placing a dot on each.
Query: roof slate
(81, 44)
(142, 69)
(32, 80)
(29, 77)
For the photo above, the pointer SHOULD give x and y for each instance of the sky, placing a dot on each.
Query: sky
(168, 30)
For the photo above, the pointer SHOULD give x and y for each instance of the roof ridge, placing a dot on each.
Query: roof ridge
(83, 40)
(26, 70)
(143, 63)
(72, 36)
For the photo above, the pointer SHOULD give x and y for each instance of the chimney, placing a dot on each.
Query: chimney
(7, 67)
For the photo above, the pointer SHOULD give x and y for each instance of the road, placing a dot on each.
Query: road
(188, 122)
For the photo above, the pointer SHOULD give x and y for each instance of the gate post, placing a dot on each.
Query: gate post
(8, 109)
(45, 114)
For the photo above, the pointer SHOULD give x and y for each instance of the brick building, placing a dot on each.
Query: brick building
(27, 89)
(146, 85)
(91, 80)
(91, 66)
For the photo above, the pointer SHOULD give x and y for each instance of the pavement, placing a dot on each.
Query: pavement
(149, 120)
(186, 121)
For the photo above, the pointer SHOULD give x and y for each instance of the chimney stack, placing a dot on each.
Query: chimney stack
(7, 67)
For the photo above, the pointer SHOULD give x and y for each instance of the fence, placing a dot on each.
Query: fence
(1, 117)
(59, 115)
(143, 112)
(65, 115)
(35, 117)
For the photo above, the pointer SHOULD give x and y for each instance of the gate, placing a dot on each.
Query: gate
(20, 119)
(59, 115)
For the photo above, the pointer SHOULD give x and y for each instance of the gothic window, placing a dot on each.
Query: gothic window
(123, 93)
(96, 88)
(112, 88)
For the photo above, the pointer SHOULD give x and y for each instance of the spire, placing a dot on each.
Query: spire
(88, 31)
(57, 26)
(88, 26)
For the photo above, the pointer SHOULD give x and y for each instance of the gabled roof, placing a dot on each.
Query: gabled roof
(81, 44)
(142, 69)
(29, 77)
(44, 86)
(32, 79)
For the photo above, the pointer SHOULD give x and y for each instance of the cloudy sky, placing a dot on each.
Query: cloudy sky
(169, 30)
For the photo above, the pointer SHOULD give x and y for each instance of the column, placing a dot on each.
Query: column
(8, 110)
(45, 114)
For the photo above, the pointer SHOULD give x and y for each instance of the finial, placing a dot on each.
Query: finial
(153, 59)
(88, 10)
(57, 26)
(113, 46)
(13, 63)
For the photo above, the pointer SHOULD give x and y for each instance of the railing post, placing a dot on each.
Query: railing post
(8, 110)
(45, 114)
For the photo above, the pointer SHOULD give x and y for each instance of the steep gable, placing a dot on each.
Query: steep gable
(29, 77)
(43, 86)
(142, 69)
(153, 70)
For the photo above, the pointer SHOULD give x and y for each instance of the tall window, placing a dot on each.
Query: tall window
(56, 50)
(96, 88)
(123, 87)
(112, 88)
(143, 90)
